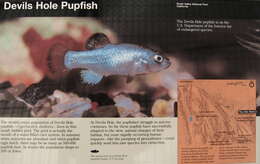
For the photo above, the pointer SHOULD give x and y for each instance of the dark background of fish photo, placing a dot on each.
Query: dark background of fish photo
(29, 89)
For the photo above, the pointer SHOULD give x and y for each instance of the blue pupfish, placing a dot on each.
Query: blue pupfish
(105, 59)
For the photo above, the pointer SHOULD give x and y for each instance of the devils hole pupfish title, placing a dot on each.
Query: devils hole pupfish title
(40, 5)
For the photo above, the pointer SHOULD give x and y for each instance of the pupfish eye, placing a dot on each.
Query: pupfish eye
(158, 58)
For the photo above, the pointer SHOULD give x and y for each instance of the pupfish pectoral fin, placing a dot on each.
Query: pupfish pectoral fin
(90, 77)
(97, 40)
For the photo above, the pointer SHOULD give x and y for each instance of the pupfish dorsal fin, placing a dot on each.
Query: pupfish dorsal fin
(97, 40)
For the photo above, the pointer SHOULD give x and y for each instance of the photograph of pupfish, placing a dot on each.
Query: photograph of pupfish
(114, 67)
(78, 67)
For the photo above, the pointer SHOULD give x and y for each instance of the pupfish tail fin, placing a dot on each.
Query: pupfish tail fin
(48, 54)
(55, 61)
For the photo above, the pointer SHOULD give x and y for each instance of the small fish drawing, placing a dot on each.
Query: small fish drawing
(104, 59)
(94, 151)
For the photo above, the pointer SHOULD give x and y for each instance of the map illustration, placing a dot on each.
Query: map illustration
(211, 128)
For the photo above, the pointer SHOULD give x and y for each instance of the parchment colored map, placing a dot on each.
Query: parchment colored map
(211, 128)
